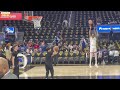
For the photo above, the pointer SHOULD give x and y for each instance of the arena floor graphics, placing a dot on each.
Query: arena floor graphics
(74, 72)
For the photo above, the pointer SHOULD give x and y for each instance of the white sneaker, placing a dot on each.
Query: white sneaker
(90, 66)
(96, 65)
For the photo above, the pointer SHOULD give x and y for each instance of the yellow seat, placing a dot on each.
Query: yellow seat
(33, 54)
(38, 54)
(71, 54)
(66, 53)
(60, 53)
(77, 53)
(44, 53)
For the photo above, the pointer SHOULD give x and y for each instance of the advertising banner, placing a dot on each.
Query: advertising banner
(10, 16)
(107, 28)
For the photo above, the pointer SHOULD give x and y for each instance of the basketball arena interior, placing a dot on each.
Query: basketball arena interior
(34, 31)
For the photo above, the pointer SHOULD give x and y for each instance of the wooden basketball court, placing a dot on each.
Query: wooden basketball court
(74, 72)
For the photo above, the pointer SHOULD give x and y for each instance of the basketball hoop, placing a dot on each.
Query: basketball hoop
(36, 20)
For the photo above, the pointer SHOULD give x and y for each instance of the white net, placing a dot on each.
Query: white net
(37, 22)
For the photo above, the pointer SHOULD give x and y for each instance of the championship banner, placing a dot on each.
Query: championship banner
(10, 16)
(107, 28)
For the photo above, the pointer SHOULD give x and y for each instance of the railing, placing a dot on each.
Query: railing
(70, 19)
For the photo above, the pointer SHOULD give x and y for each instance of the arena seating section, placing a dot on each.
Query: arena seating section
(51, 24)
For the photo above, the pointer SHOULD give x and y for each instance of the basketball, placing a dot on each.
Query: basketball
(56, 49)
(90, 22)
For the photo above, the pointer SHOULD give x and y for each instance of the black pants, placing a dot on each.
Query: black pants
(55, 60)
(9, 63)
(87, 60)
(116, 59)
(100, 60)
(16, 71)
(49, 68)
(111, 58)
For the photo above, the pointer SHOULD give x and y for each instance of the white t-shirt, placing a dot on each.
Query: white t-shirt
(65, 22)
(92, 42)
(116, 53)
(111, 53)
(100, 54)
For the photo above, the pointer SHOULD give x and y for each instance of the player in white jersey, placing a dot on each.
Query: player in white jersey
(93, 41)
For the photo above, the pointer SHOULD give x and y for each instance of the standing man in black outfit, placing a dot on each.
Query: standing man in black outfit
(111, 35)
(48, 63)
(15, 62)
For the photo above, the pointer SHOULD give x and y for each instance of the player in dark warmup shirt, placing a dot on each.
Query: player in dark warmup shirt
(48, 63)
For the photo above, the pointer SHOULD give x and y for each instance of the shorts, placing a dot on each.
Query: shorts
(93, 49)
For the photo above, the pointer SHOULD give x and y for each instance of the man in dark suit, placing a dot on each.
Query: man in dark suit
(4, 70)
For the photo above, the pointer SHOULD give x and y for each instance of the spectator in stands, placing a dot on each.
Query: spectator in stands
(43, 46)
(74, 46)
(111, 46)
(30, 44)
(99, 21)
(40, 49)
(25, 45)
(105, 54)
(3, 47)
(58, 34)
(99, 56)
(65, 47)
(63, 40)
(111, 35)
(2, 52)
(75, 51)
(15, 62)
(4, 28)
(36, 46)
(21, 48)
(83, 43)
(9, 46)
(65, 24)
(83, 56)
(8, 55)
(56, 40)
(60, 43)
(35, 56)
(70, 47)
(116, 55)
(4, 70)
(77, 47)
(29, 54)
(29, 50)
(36, 41)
